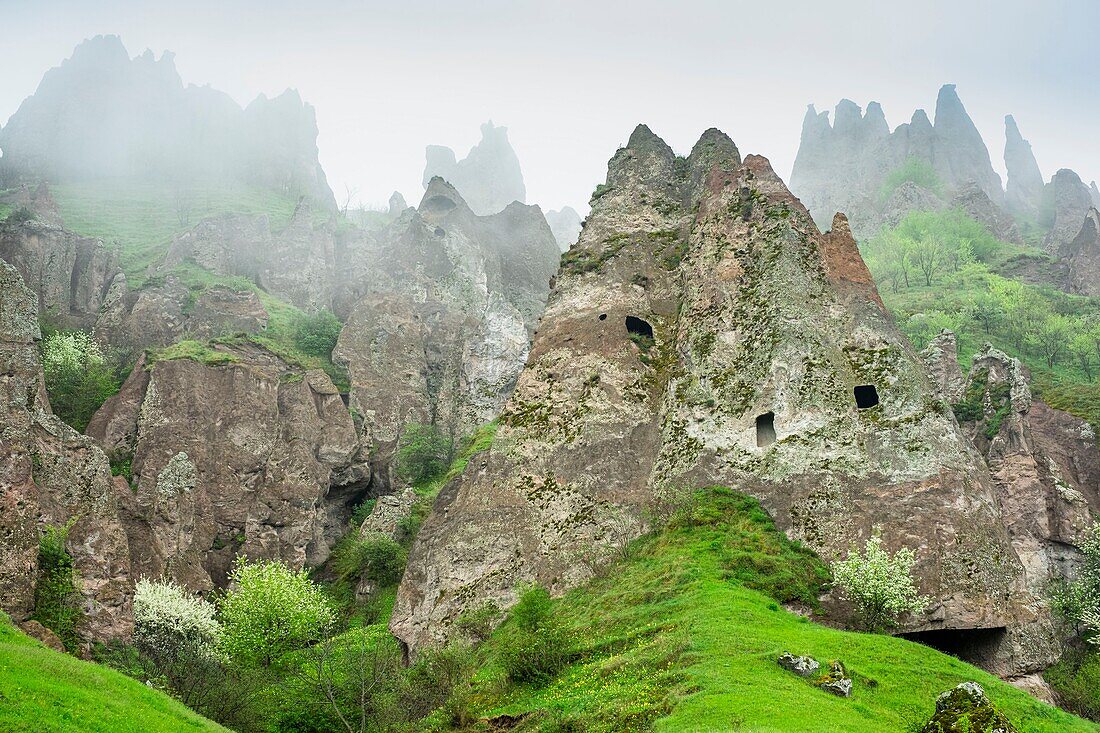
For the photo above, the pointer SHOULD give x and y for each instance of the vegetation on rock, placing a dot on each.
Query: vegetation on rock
(56, 600)
(78, 378)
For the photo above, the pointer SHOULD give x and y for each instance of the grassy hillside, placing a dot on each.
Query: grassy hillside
(674, 638)
(42, 691)
(139, 220)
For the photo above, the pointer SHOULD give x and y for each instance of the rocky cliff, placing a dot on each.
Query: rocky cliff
(1067, 201)
(1082, 257)
(445, 302)
(843, 166)
(1024, 186)
(236, 453)
(50, 475)
(489, 177)
(703, 331)
(102, 114)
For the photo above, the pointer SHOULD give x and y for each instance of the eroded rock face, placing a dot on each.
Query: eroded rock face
(249, 457)
(1082, 257)
(489, 177)
(1069, 200)
(1024, 187)
(70, 275)
(942, 357)
(1046, 471)
(445, 303)
(52, 475)
(701, 332)
(843, 166)
(101, 114)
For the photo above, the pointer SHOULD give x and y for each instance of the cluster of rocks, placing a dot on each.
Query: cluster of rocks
(836, 681)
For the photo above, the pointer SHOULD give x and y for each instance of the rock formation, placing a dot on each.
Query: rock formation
(1082, 257)
(240, 454)
(488, 178)
(843, 166)
(101, 114)
(1095, 192)
(566, 226)
(50, 475)
(702, 332)
(445, 303)
(1024, 186)
(1068, 200)
(71, 275)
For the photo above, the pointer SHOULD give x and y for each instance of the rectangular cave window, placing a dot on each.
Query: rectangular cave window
(866, 396)
(765, 429)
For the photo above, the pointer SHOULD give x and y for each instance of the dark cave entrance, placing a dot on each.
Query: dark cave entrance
(765, 429)
(866, 396)
(639, 328)
(603, 316)
(975, 646)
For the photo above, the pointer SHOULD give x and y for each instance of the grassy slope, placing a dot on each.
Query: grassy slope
(139, 220)
(43, 691)
(670, 638)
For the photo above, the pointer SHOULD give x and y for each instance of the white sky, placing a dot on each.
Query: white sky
(571, 79)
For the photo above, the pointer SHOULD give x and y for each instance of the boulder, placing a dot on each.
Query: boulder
(966, 709)
(801, 666)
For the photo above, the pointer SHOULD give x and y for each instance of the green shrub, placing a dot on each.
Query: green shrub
(78, 378)
(361, 512)
(379, 558)
(424, 454)
(271, 610)
(1076, 679)
(535, 646)
(56, 600)
(914, 170)
(316, 334)
(20, 215)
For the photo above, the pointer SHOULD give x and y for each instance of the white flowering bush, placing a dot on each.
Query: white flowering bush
(170, 622)
(879, 584)
(270, 610)
(78, 378)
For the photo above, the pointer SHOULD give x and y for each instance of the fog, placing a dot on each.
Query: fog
(571, 79)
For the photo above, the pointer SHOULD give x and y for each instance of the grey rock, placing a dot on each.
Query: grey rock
(566, 226)
(1068, 201)
(489, 177)
(1024, 187)
(801, 666)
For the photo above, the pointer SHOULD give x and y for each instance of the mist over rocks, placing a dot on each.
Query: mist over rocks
(102, 114)
(844, 166)
(1068, 200)
(1024, 186)
(566, 226)
(489, 177)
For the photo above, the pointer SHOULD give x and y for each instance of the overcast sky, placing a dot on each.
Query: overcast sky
(571, 79)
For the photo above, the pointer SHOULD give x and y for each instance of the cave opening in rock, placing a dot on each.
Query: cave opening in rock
(603, 316)
(439, 231)
(975, 646)
(638, 327)
(866, 396)
(765, 429)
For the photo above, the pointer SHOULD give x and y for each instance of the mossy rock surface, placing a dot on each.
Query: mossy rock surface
(966, 709)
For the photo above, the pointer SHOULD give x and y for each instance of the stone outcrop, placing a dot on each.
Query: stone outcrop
(50, 475)
(1082, 257)
(702, 332)
(488, 178)
(1068, 200)
(843, 166)
(1024, 186)
(70, 275)
(1095, 193)
(967, 709)
(445, 303)
(101, 114)
(942, 358)
(241, 454)
(566, 226)
(297, 264)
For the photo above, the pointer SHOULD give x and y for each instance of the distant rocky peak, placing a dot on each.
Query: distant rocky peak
(1024, 187)
(489, 177)
(1095, 193)
(440, 198)
(714, 148)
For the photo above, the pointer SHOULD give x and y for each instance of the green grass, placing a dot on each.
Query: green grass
(194, 350)
(673, 639)
(43, 691)
(139, 220)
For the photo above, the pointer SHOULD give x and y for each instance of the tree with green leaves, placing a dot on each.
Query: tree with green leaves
(270, 610)
(423, 453)
(78, 378)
